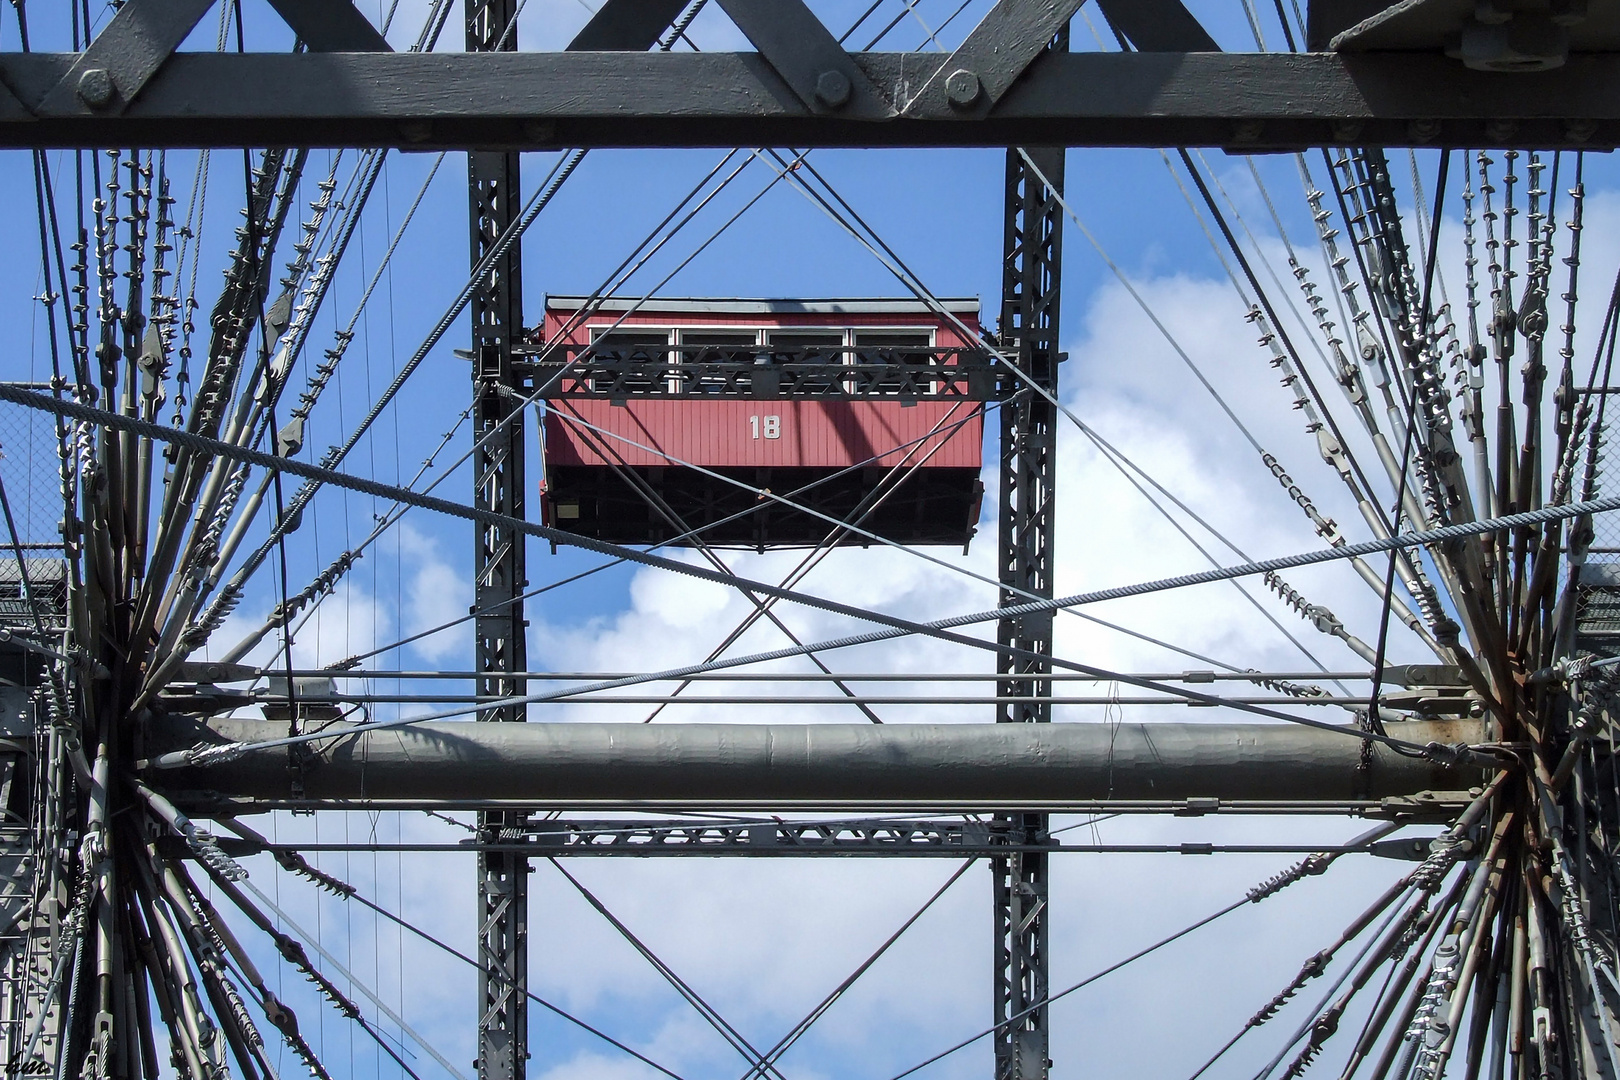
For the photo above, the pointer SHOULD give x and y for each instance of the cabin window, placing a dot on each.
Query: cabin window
(716, 347)
(632, 348)
(904, 348)
(807, 346)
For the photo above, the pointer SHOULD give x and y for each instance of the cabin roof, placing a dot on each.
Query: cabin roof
(958, 305)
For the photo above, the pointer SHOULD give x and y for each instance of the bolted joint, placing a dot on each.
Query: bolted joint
(96, 88)
(962, 88)
(832, 89)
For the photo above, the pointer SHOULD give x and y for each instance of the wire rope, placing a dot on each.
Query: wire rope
(911, 281)
(906, 277)
(901, 627)
(348, 892)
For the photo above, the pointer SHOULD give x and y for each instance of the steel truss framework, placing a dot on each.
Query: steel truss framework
(837, 374)
(1032, 259)
(532, 101)
(801, 88)
(1012, 81)
(494, 191)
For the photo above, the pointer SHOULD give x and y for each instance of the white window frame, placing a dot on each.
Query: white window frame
(600, 331)
(933, 343)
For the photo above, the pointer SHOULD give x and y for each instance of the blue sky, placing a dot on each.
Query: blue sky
(764, 940)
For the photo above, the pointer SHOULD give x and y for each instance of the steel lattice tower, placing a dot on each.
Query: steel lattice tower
(1031, 270)
(131, 760)
(494, 192)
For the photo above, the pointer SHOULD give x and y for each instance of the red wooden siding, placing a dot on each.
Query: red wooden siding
(825, 434)
(722, 432)
(613, 470)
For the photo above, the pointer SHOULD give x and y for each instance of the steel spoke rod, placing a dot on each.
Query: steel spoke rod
(247, 673)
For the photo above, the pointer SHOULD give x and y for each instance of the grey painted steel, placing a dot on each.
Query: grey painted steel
(331, 25)
(130, 49)
(998, 51)
(626, 24)
(1158, 25)
(495, 196)
(545, 100)
(882, 837)
(767, 371)
(801, 49)
(500, 574)
(851, 765)
(1032, 266)
(947, 839)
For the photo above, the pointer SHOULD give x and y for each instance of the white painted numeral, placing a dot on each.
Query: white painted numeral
(772, 427)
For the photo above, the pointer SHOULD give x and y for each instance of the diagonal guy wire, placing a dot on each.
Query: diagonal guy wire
(682, 987)
(900, 627)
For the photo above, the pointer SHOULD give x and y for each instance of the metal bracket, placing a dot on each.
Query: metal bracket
(801, 49)
(331, 26)
(113, 68)
(1007, 40)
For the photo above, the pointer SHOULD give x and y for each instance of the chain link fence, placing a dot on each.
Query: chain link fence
(29, 470)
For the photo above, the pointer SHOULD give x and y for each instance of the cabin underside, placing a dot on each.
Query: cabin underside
(663, 505)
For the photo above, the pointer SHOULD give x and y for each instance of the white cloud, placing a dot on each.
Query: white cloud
(349, 620)
(592, 1066)
(435, 593)
(764, 940)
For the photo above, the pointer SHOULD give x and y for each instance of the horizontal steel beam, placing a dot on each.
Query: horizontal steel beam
(872, 839)
(543, 100)
(780, 766)
(766, 373)
(558, 837)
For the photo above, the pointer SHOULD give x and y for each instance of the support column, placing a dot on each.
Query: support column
(1029, 324)
(498, 563)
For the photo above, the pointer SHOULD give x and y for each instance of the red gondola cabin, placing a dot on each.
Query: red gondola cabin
(668, 422)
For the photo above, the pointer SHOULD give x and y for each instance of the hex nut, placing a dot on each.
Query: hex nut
(96, 87)
(1423, 131)
(962, 88)
(832, 89)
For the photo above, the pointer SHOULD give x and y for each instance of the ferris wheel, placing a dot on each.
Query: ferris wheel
(1214, 549)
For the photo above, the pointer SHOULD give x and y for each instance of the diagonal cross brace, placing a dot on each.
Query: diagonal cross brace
(983, 68)
(1158, 25)
(626, 26)
(801, 49)
(331, 26)
(114, 67)
(142, 35)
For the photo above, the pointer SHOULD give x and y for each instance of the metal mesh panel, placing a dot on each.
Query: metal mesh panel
(28, 468)
(1597, 602)
(46, 581)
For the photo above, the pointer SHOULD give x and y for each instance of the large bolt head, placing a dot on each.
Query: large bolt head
(832, 89)
(96, 87)
(962, 88)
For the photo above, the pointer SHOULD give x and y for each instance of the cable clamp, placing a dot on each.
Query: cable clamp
(1454, 754)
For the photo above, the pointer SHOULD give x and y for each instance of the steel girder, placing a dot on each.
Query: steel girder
(543, 100)
(494, 194)
(1032, 259)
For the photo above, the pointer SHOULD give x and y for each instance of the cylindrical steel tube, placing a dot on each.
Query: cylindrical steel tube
(783, 765)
